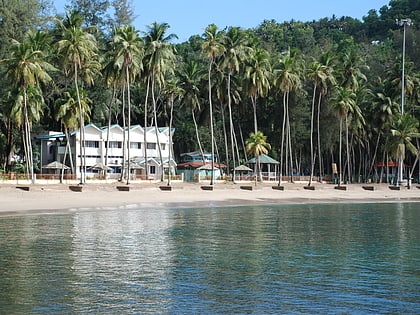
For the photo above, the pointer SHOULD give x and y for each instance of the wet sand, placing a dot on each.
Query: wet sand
(58, 198)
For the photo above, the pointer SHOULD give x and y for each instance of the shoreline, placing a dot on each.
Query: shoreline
(58, 198)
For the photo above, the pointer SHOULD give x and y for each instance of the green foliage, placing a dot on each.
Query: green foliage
(270, 72)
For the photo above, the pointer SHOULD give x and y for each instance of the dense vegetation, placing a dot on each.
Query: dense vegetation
(322, 92)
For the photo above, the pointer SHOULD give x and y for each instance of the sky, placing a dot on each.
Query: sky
(191, 17)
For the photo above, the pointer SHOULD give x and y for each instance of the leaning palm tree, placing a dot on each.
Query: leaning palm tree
(159, 60)
(128, 53)
(79, 51)
(257, 145)
(212, 48)
(28, 69)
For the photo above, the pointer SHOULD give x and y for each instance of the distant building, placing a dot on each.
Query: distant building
(195, 169)
(53, 148)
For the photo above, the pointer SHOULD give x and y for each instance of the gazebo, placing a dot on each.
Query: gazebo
(268, 166)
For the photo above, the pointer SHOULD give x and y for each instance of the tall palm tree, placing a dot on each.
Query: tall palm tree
(79, 50)
(128, 53)
(288, 75)
(235, 51)
(257, 145)
(190, 76)
(159, 61)
(212, 47)
(343, 103)
(28, 69)
(321, 73)
(257, 78)
(172, 91)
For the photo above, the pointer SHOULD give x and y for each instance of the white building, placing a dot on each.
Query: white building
(53, 148)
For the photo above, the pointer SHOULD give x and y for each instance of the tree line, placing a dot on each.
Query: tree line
(314, 93)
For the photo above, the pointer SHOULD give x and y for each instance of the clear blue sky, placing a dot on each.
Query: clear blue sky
(190, 17)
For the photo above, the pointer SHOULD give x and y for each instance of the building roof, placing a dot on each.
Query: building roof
(264, 159)
(199, 164)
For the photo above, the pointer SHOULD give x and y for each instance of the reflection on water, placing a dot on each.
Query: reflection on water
(296, 259)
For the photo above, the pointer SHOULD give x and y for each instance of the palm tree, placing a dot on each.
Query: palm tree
(287, 79)
(172, 91)
(257, 145)
(78, 48)
(68, 113)
(321, 73)
(235, 51)
(28, 69)
(212, 48)
(159, 61)
(190, 75)
(258, 74)
(403, 131)
(343, 103)
(128, 53)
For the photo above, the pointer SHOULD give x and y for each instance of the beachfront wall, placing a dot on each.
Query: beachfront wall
(96, 141)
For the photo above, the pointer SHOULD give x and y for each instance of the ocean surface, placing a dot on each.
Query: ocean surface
(285, 259)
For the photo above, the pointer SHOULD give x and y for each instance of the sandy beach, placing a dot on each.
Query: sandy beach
(55, 198)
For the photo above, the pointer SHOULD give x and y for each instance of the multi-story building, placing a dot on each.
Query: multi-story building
(104, 151)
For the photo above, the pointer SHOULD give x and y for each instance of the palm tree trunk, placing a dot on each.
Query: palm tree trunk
(225, 138)
(156, 128)
(127, 74)
(319, 137)
(348, 151)
(339, 154)
(146, 164)
(197, 135)
(114, 92)
(231, 128)
(282, 139)
(124, 146)
(254, 106)
(171, 100)
(82, 133)
(211, 126)
(312, 135)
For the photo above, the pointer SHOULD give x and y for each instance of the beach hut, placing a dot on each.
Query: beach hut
(268, 166)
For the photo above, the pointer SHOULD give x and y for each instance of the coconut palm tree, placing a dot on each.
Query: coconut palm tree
(68, 113)
(190, 76)
(257, 145)
(257, 78)
(287, 77)
(212, 47)
(159, 61)
(172, 91)
(403, 131)
(128, 53)
(79, 51)
(343, 103)
(234, 53)
(28, 69)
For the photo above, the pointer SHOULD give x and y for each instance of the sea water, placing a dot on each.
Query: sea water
(285, 259)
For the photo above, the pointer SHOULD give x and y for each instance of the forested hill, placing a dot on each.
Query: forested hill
(317, 89)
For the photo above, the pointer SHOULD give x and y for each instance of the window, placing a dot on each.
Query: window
(152, 169)
(151, 146)
(91, 144)
(163, 146)
(135, 145)
(115, 144)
